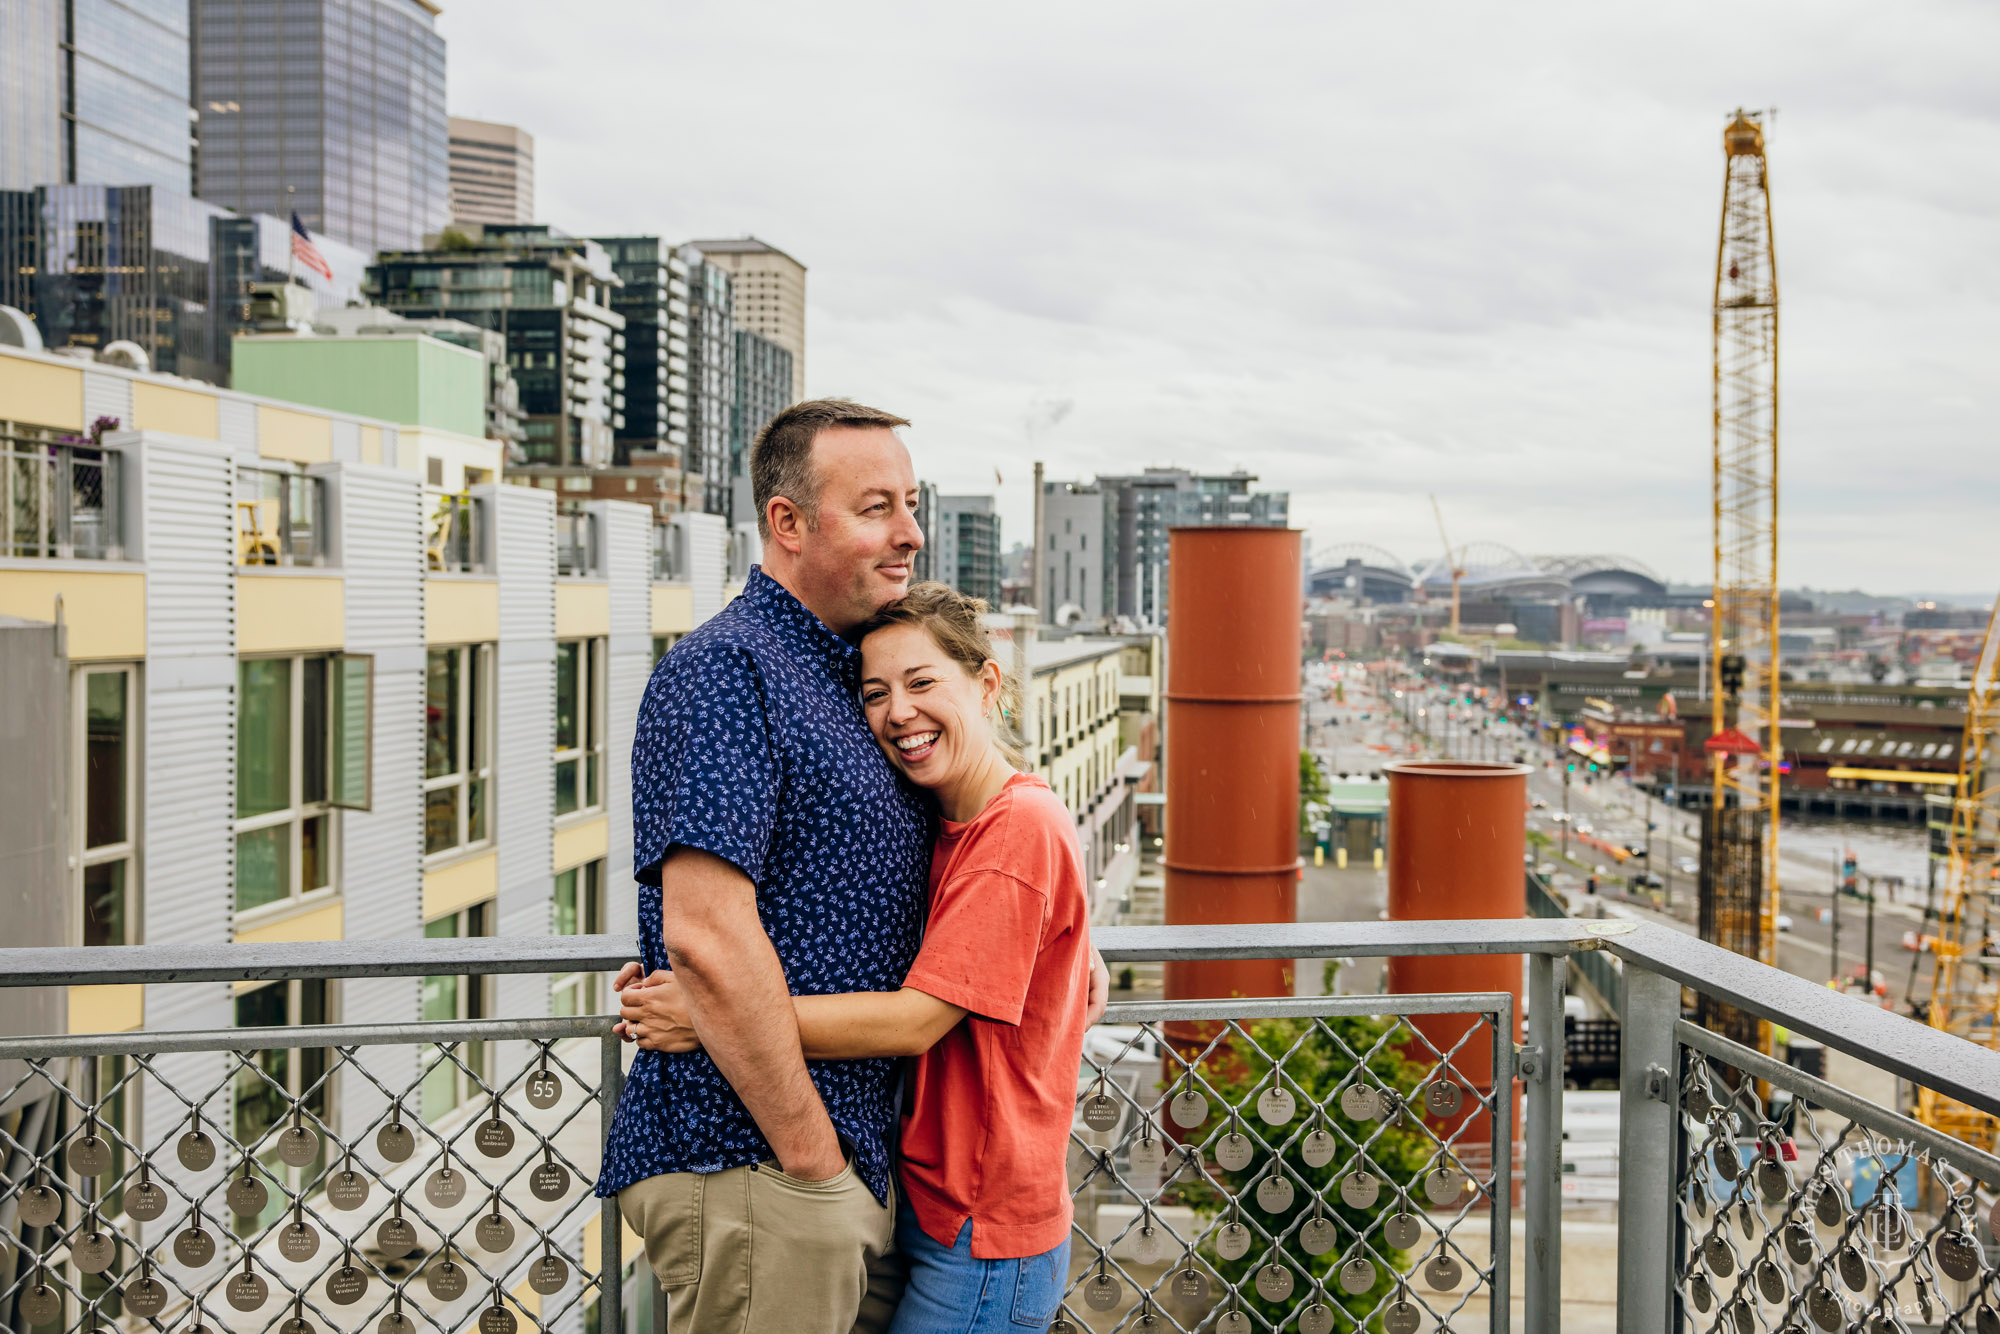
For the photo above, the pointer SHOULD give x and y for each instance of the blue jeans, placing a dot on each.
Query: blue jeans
(951, 1292)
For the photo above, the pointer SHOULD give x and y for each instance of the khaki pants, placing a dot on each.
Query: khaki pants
(753, 1251)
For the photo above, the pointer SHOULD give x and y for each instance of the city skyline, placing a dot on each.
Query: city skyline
(1360, 267)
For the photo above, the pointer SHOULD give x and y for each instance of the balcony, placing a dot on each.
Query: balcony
(669, 560)
(280, 517)
(60, 500)
(1324, 1163)
(576, 545)
(455, 540)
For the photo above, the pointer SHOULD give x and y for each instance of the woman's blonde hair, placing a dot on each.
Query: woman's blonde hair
(956, 623)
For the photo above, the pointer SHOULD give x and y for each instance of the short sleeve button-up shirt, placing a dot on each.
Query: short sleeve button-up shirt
(751, 745)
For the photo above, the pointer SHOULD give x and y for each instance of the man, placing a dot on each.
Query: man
(777, 852)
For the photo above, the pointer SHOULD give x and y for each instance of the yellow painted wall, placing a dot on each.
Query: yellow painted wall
(302, 437)
(282, 613)
(320, 924)
(673, 609)
(591, 1247)
(460, 885)
(582, 610)
(371, 444)
(161, 407)
(104, 609)
(36, 394)
(106, 1009)
(578, 843)
(461, 611)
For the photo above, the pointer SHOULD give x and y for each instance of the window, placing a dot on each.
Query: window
(106, 700)
(452, 1082)
(579, 756)
(661, 643)
(458, 747)
(303, 750)
(579, 911)
(272, 1082)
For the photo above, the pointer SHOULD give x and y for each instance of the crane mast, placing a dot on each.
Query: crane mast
(1739, 865)
(1963, 997)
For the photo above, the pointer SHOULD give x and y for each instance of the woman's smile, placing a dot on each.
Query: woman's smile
(917, 747)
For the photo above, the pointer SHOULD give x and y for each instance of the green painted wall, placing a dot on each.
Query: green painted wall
(414, 380)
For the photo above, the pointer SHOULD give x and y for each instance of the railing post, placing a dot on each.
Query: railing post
(1648, 1150)
(610, 1227)
(1542, 1068)
(61, 478)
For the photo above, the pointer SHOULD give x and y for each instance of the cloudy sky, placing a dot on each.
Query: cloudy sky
(1367, 252)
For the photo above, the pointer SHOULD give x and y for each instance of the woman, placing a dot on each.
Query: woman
(994, 1007)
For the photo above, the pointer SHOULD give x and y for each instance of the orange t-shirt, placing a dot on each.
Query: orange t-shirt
(987, 1131)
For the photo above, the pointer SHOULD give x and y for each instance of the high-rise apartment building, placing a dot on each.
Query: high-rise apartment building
(769, 296)
(95, 93)
(492, 172)
(550, 295)
(711, 376)
(332, 108)
(968, 546)
(1071, 548)
(763, 390)
(653, 298)
(924, 564)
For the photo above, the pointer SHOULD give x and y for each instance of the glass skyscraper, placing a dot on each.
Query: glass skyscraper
(711, 376)
(94, 91)
(763, 390)
(332, 108)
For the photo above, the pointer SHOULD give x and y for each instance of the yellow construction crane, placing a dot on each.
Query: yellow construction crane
(1451, 559)
(1964, 999)
(1739, 872)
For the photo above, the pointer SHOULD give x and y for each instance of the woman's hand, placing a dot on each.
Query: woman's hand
(653, 1013)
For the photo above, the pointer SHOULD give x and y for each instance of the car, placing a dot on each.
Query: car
(1784, 922)
(1538, 804)
(1648, 880)
(1688, 866)
(1585, 827)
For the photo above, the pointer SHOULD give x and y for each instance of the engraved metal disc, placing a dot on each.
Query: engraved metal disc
(494, 1138)
(1233, 1322)
(1102, 1292)
(1100, 1111)
(445, 1280)
(1443, 1272)
(1316, 1319)
(1726, 1160)
(1700, 1293)
(1146, 1244)
(395, 1323)
(145, 1202)
(1317, 1148)
(345, 1285)
(89, 1156)
(1743, 1317)
(247, 1197)
(1146, 1158)
(1826, 1308)
(396, 1237)
(1234, 1151)
(1853, 1269)
(1358, 1190)
(196, 1151)
(444, 1187)
(1888, 1226)
(494, 1232)
(1401, 1318)
(41, 1304)
(1361, 1102)
(1274, 1283)
(298, 1146)
(1190, 1286)
(1958, 1255)
(1773, 1180)
(298, 1242)
(1721, 1260)
(1357, 1276)
(1987, 1321)
(1274, 1195)
(1799, 1242)
(1276, 1105)
(1771, 1282)
(347, 1190)
(1444, 1186)
(194, 1247)
(146, 1297)
(1443, 1098)
(1062, 1326)
(549, 1181)
(1187, 1158)
(497, 1320)
(42, 1205)
(1233, 1242)
(1189, 1109)
(395, 1142)
(1700, 1102)
(298, 1324)
(548, 1274)
(1318, 1236)
(93, 1252)
(544, 1089)
(1402, 1231)
(247, 1292)
(1829, 1208)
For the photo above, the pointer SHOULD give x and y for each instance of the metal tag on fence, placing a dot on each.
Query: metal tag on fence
(1720, 1258)
(1190, 1285)
(299, 1242)
(1146, 1244)
(444, 1187)
(1402, 1231)
(1771, 1282)
(194, 1247)
(544, 1089)
(1829, 1208)
(247, 1196)
(395, 1323)
(347, 1190)
(1276, 1105)
(1316, 1319)
(94, 1251)
(247, 1292)
(497, 1320)
(40, 1304)
(445, 1281)
(1361, 1103)
(1853, 1269)
(1958, 1255)
(1987, 1321)
(395, 1142)
(549, 1181)
(1274, 1194)
(1102, 1292)
(395, 1238)
(298, 1146)
(1274, 1283)
(1233, 1322)
(41, 1206)
(1444, 1186)
(196, 1151)
(1233, 1242)
(89, 1156)
(1443, 1272)
(1100, 1111)
(1773, 1180)
(345, 1285)
(298, 1324)
(1360, 1189)
(548, 1274)
(1702, 1295)
(494, 1233)
(146, 1297)
(1357, 1276)
(1723, 1154)
(1190, 1109)
(1317, 1236)
(1317, 1148)
(145, 1202)
(495, 1138)
(1402, 1317)
(1443, 1098)
(1234, 1151)
(1146, 1157)
(1799, 1242)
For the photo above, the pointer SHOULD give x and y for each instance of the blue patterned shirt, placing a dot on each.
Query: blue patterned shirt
(751, 745)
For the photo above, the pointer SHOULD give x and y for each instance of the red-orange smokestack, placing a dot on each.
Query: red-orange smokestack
(1233, 644)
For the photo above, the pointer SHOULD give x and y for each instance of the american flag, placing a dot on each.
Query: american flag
(304, 251)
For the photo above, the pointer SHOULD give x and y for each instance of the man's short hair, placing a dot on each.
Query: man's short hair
(781, 462)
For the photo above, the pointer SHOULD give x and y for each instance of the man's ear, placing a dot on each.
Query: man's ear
(787, 524)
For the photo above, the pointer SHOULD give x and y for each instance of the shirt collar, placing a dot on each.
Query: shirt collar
(796, 625)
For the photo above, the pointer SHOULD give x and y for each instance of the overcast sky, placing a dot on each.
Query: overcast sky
(1367, 252)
